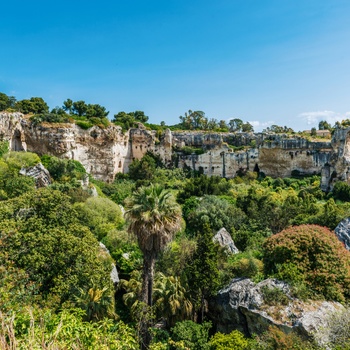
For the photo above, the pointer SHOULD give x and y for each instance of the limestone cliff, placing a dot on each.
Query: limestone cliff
(105, 152)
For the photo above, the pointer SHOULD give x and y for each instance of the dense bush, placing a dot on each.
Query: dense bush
(315, 255)
(41, 236)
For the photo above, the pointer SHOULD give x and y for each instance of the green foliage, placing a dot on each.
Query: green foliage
(84, 124)
(124, 250)
(35, 105)
(275, 339)
(101, 215)
(176, 255)
(4, 147)
(171, 299)
(6, 102)
(194, 120)
(63, 169)
(316, 253)
(97, 303)
(245, 265)
(341, 190)
(202, 270)
(117, 191)
(249, 236)
(50, 118)
(274, 296)
(11, 182)
(216, 212)
(129, 120)
(145, 168)
(194, 336)
(232, 341)
(18, 160)
(202, 185)
(40, 235)
(36, 329)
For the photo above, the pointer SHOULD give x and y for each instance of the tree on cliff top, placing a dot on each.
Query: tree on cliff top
(6, 101)
(35, 105)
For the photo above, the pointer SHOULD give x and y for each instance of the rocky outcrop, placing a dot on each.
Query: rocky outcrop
(39, 173)
(338, 166)
(225, 240)
(242, 306)
(114, 273)
(106, 151)
(342, 231)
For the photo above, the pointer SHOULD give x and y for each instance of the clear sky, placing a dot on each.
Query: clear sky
(284, 62)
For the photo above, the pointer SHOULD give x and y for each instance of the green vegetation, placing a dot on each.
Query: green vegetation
(312, 255)
(55, 287)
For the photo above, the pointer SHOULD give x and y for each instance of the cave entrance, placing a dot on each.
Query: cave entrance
(16, 143)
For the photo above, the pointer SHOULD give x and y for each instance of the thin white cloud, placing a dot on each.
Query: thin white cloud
(259, 126)
(313, 118)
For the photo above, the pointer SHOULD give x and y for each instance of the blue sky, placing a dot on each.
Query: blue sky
(284, 62)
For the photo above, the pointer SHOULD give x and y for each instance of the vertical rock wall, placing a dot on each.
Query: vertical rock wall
(105, 152)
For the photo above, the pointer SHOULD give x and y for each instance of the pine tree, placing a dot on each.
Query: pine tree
(202, 270)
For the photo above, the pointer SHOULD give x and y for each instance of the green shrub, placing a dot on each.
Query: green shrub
(233, 341)
(315, 255)
(274, 296)
(193, 335)
(84, 124)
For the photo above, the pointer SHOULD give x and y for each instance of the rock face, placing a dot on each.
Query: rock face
(342, 231)
(39, 173)
(338, 166)
(114, 272)
(225, 240)
(104, 152)
(242, 306)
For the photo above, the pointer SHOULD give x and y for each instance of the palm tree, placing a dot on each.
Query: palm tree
(154, 217)
(171, 300)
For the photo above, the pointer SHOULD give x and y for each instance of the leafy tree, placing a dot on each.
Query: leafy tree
(217, 213)
(128, 120)
(143, 169)
(341, 190)
(41, 235)
(233, 341)
(194, 120)
(79, 108)
(247, 127)
(235, 124)
(202, 185)
(101, 215)
(175, 257)
(316, 253)
(171, 299)
(68, 105)
(63, 169)
(35, 105)
(324, 125)
(192, 335)
(153, 217)
(202, 271)
(139, 116)
(6, 101)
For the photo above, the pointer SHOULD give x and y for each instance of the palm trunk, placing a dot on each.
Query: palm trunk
(146, 296)
(147, 279)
